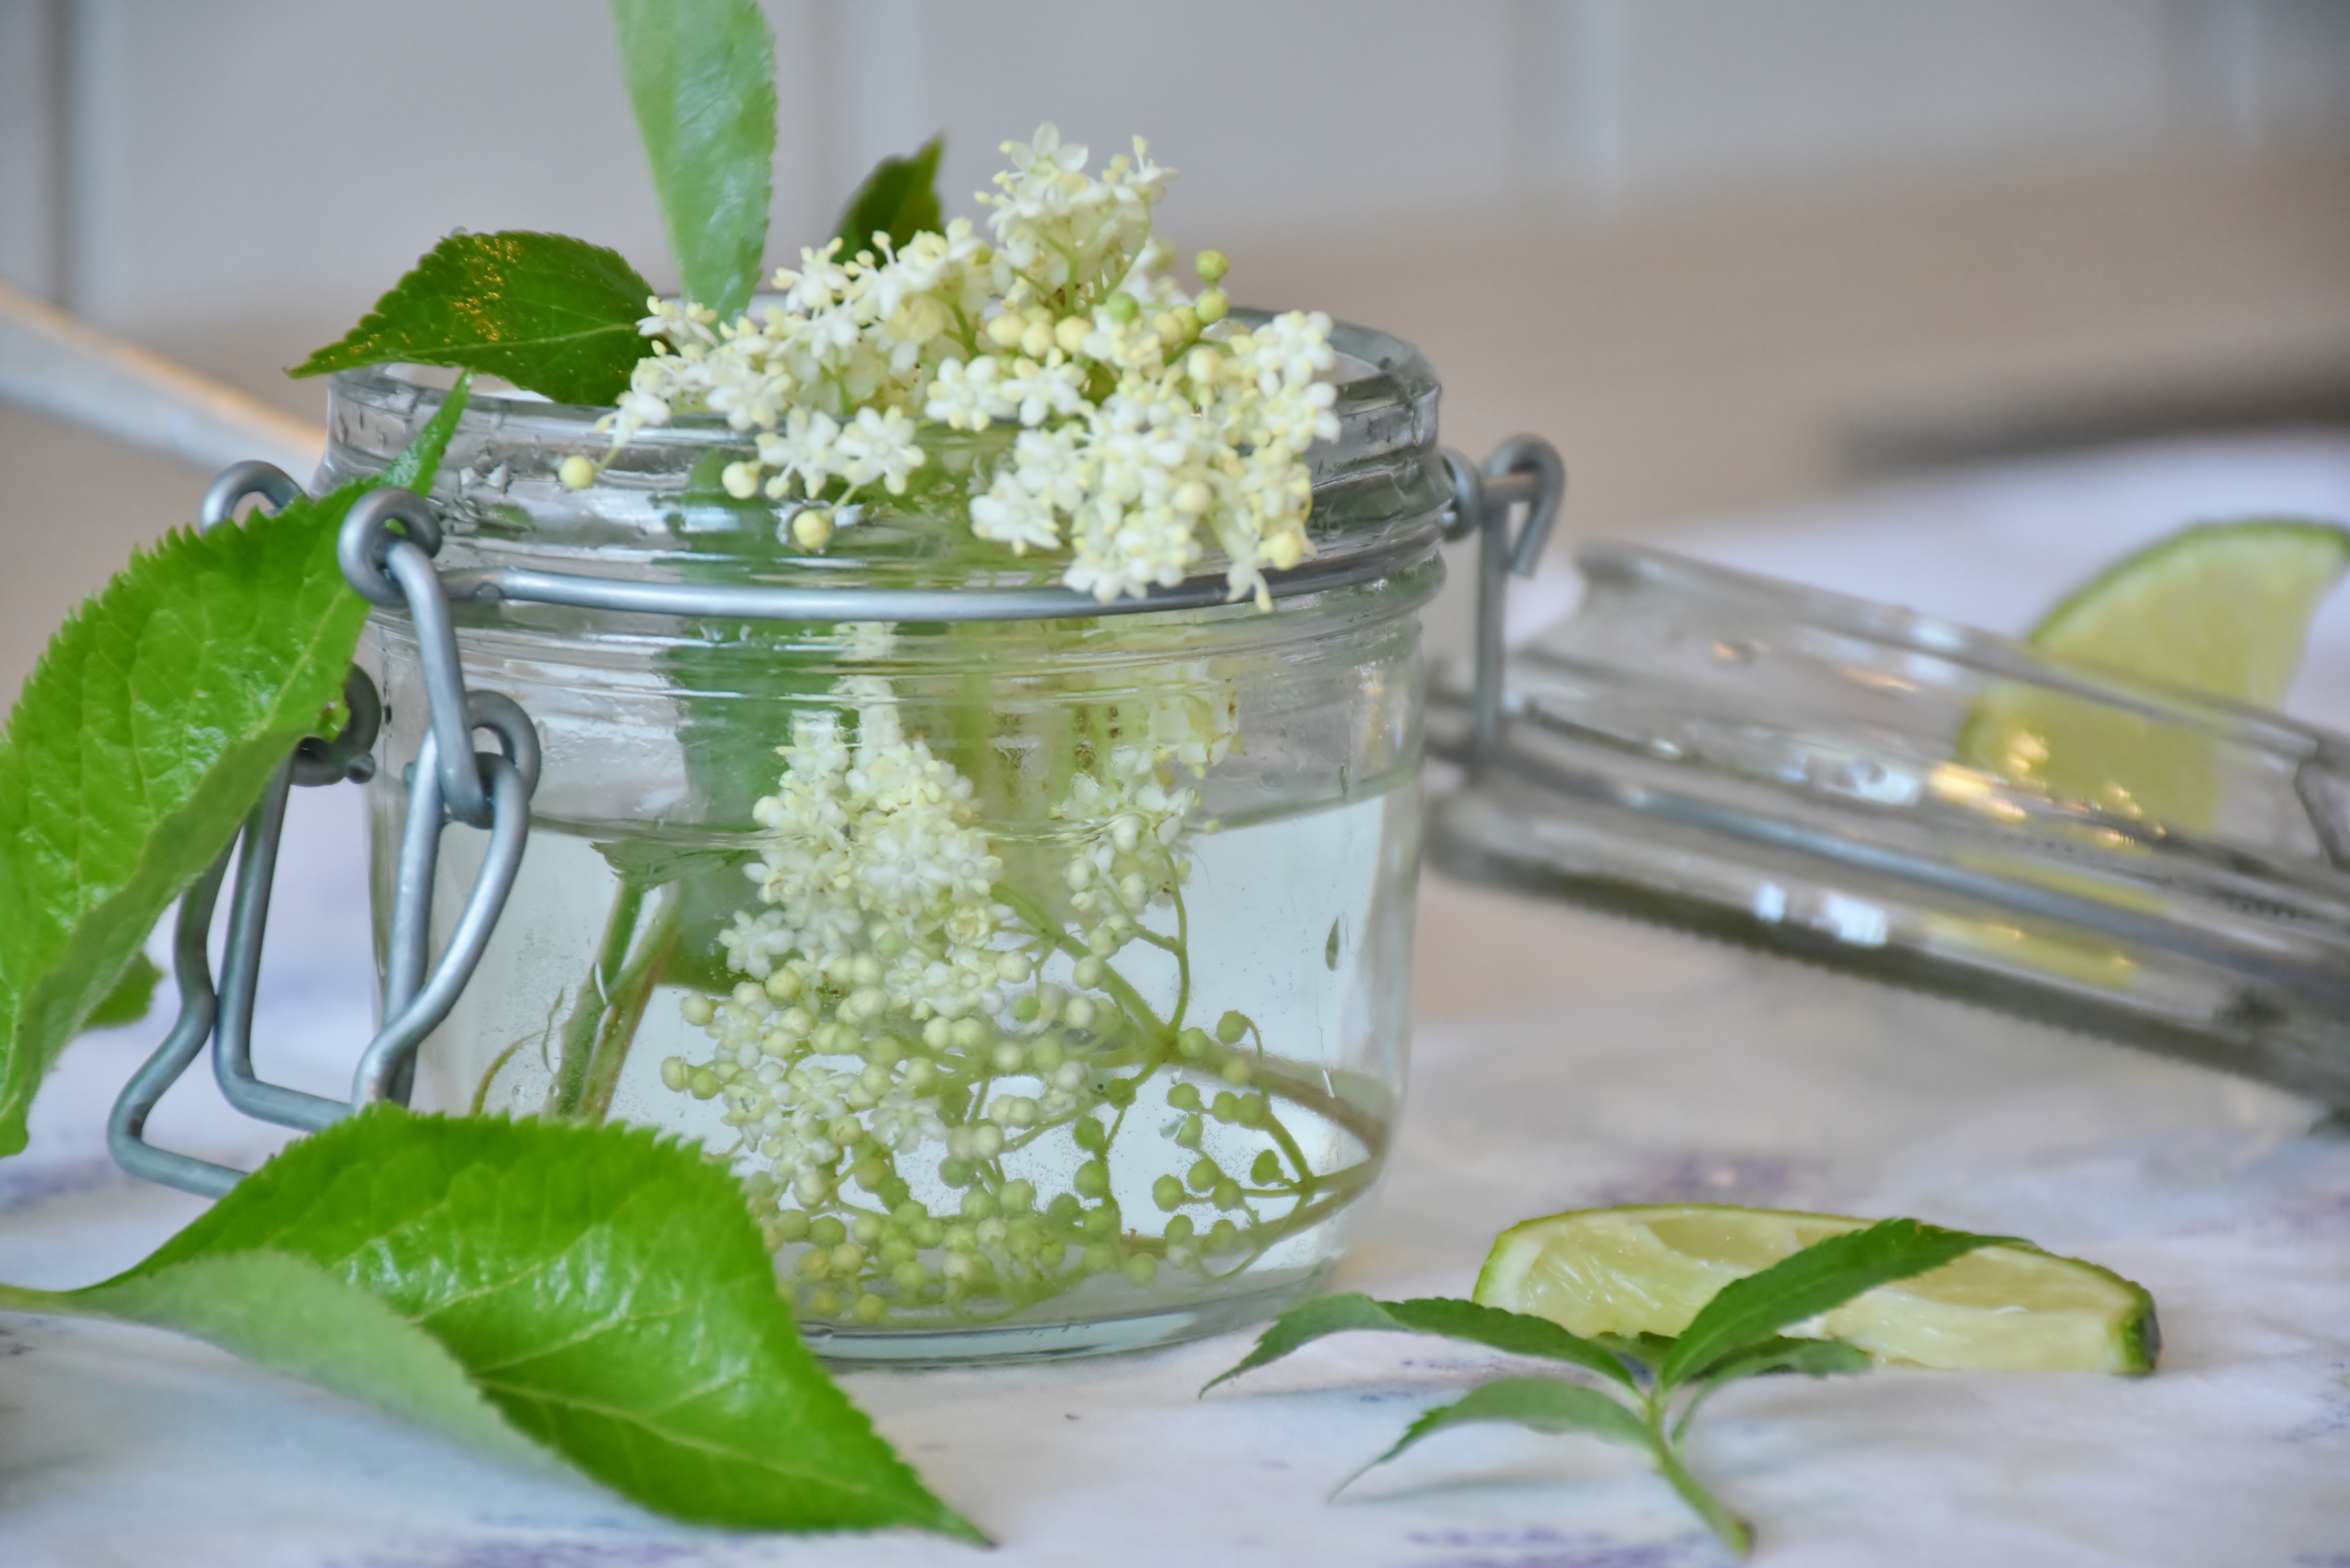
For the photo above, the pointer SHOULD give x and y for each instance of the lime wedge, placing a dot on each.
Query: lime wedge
(2221, 607)
(1648, 1269)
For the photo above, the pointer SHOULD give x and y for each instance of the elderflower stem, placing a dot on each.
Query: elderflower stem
(582, 1030)
(1734, 1532)
(1032, 914)
(631, 994)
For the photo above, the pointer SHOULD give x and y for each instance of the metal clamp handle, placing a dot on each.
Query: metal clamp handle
(1524, 471)
(386, 549)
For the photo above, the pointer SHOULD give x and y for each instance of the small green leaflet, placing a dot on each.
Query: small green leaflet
(702, 78)
(554, 315)
(599, 1292)
(1543, 1404)
(1516, 1333)
(1812, 1357)
(1823, 1276)
(146, 732)
(131, 997)
(899, 199)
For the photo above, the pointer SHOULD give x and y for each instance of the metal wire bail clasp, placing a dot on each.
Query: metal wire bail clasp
(385, 548)
(1524, 471)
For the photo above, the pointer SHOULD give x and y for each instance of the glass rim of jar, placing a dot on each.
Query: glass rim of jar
(1381, 492)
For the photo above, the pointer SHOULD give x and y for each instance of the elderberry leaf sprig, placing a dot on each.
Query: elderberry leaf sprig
(553, 315)
(1655, 1385)
(702, 78)
(595, 1293)
(899, 199)
(146, 732)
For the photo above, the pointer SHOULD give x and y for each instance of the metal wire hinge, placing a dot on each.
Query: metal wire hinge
(386, 549)
(1523, 471)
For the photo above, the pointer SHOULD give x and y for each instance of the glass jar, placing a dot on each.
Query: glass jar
(1044, 980)
(1889, 795)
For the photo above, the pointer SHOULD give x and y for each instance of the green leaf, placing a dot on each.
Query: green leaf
(1812, 1357)
(1507, 1330)
(600, 1290)
(649, 863)
(1644, 1352)
(146, 732)
(131, 997)
(899, 199)
(1822, 1276)
(1538, 1403)
(702, 78)
(287, 1314)
(554, 315)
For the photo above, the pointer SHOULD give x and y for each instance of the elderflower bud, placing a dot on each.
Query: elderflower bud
(697, 1010)
(576, 472)
(1212, 266)
(741, 480)
(1005, 330)
(1212, 307)
(813, 528)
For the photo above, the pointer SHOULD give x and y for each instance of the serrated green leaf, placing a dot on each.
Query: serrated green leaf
(602, 1291)
(899, 199)
(1822, 1276)
(145, 733)
(132, 996)
(1538, 1403)
(554, 315)
(1514, 1333)
(286, 1313)
(702, 78)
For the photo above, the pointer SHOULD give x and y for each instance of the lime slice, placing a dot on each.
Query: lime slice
(2221, 607)
(1647, 1270)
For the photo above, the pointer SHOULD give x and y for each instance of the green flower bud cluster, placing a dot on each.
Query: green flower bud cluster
(948, 1215)
(965, 1105)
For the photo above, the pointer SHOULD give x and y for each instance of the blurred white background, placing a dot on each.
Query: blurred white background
(1728, 253)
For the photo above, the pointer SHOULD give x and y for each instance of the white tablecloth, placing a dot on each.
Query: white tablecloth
(1697, 1073)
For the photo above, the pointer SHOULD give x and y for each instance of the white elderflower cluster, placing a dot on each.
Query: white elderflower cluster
(1130, 860)
(1130, 855)
(874, 859)
(1146, 424)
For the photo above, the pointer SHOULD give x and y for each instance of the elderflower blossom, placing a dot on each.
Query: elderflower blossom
(873, 847)
(1145, 426)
